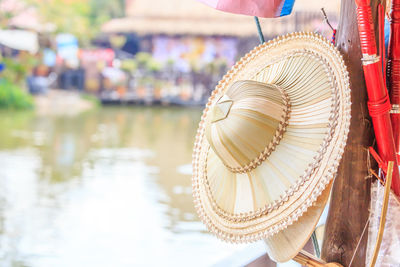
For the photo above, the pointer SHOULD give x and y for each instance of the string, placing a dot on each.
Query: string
(382, 221)
(260, 33)
(362, 234)
(315, 244)
(326, 19)
(333, 40)
(359, 242)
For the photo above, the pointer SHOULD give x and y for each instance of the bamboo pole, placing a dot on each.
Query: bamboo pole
(309, 260)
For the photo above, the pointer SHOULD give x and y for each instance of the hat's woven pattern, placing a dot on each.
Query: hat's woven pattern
(334, 113)
(284, 210)
(252, 91)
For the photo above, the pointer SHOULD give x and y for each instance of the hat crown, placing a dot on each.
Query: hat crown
(282, 198)
(246, 123)
(221, 109)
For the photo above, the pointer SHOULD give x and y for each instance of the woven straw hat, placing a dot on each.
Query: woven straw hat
(270, 141)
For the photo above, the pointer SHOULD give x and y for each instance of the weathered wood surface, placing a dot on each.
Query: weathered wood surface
(351, 190)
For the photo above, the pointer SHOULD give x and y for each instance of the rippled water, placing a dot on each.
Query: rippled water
(109, 187)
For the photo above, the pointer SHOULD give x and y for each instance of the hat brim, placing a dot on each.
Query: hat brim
(286, 244)
(246, 224)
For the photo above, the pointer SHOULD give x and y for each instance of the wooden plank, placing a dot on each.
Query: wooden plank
(351, 191)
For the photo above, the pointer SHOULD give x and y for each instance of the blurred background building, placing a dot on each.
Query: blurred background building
(198, 44)
(139, 51)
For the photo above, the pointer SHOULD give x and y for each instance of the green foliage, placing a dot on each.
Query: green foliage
(82, 18)
(153, 66)
(147, 69)
(142, 58)
(68, 15)
(146, 62)
(5, 17)
(18, 68)
(104, 10)
(216, 66)
(129, 65)
(13, 97)
(91, 98)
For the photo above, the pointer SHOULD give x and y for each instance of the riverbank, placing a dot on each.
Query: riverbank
(61, 102)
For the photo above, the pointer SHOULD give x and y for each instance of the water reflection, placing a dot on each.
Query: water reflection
(106, 188)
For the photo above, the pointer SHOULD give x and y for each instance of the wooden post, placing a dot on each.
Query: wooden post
(351, 191)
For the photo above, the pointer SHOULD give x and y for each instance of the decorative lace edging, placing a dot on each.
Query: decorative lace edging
(261, 230)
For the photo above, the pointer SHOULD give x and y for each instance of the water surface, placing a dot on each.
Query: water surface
(110, 187)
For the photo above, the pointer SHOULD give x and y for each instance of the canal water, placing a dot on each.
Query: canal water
(109, 187)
